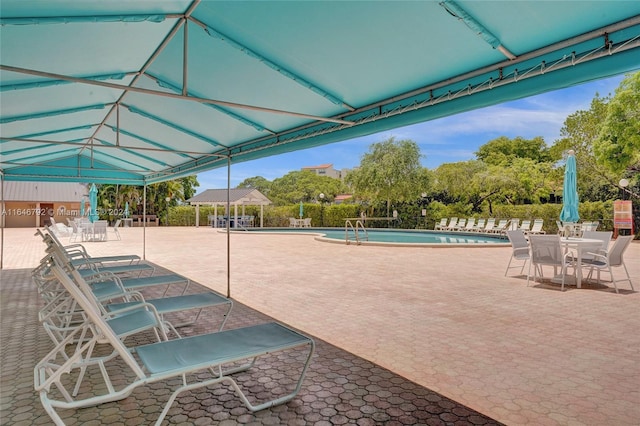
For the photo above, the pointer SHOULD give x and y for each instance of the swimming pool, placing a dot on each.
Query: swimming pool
(395, 237)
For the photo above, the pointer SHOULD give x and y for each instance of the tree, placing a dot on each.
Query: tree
(305, 186)
(257, 182)
(580, 132)
(618, 145)
(189, 185)
(390, 171)
(502, 150)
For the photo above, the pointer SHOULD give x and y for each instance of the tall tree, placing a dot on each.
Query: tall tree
(618, 145)
(502, 150)
(257, 182)
(390, 171)
(580, 132)
(189, 185)
(305, 186)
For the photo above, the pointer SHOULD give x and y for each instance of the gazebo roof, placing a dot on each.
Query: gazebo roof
(44, 191)
(247, 196)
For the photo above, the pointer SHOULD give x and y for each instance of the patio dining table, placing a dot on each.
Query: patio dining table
(581, 247)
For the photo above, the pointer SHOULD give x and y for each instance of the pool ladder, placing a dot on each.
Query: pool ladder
(348, 226)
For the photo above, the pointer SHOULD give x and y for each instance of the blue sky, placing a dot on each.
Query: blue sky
(445, 140)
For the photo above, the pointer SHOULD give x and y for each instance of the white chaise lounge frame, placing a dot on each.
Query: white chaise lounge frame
(160, 361)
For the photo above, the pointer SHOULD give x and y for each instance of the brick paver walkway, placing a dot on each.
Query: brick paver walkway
(406, 335)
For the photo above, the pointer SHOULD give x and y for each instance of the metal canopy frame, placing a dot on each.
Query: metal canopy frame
(133, 155)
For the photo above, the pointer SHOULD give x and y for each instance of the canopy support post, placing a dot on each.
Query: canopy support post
(228, 211)
(144, 223)
(2, 220)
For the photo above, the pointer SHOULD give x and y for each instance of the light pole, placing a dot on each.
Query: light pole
(321, 196)
(168, 199)
(623, 184)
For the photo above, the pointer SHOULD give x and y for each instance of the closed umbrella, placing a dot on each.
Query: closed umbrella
(82, 207)
(570, 199)
(301, 210)
(93, 203)
(126, 209)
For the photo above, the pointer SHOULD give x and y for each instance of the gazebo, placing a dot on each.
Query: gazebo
(234, 197)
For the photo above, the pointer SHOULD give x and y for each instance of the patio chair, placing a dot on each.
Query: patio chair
(536, 228)
(293, 222)
(612, 259)
(114, 229)
(514, 224)
(519, 249)
(442, 224)
(188, 359)
(604, 236)
(547, 251)
(306, 223)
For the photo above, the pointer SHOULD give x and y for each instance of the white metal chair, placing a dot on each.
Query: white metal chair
(546, 250)
(519, 249)
(115, 230)
(613, 258)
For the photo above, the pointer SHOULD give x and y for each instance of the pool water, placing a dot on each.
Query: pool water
(391, 236)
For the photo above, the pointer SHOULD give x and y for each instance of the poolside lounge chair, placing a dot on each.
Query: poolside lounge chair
(525, 226)
(471, 223)
(442, 224)
(514, 223)
(215, 354)
(461, 224)
(589, 226)
(536, 228)
(452, 224)
(500, 228)
(108, 290)
(78, 253)
(489, 226)
(479, 226)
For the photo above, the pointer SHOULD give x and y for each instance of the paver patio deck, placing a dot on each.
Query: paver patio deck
(444, 318)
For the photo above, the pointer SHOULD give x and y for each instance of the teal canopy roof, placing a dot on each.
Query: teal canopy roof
(137, 92)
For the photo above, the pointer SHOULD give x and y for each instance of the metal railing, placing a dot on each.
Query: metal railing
(359, 226)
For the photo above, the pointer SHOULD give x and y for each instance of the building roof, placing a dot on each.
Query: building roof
(247, 196)
(44, 191)
(321, 166)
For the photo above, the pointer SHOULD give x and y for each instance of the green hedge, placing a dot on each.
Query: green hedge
(334, 215)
